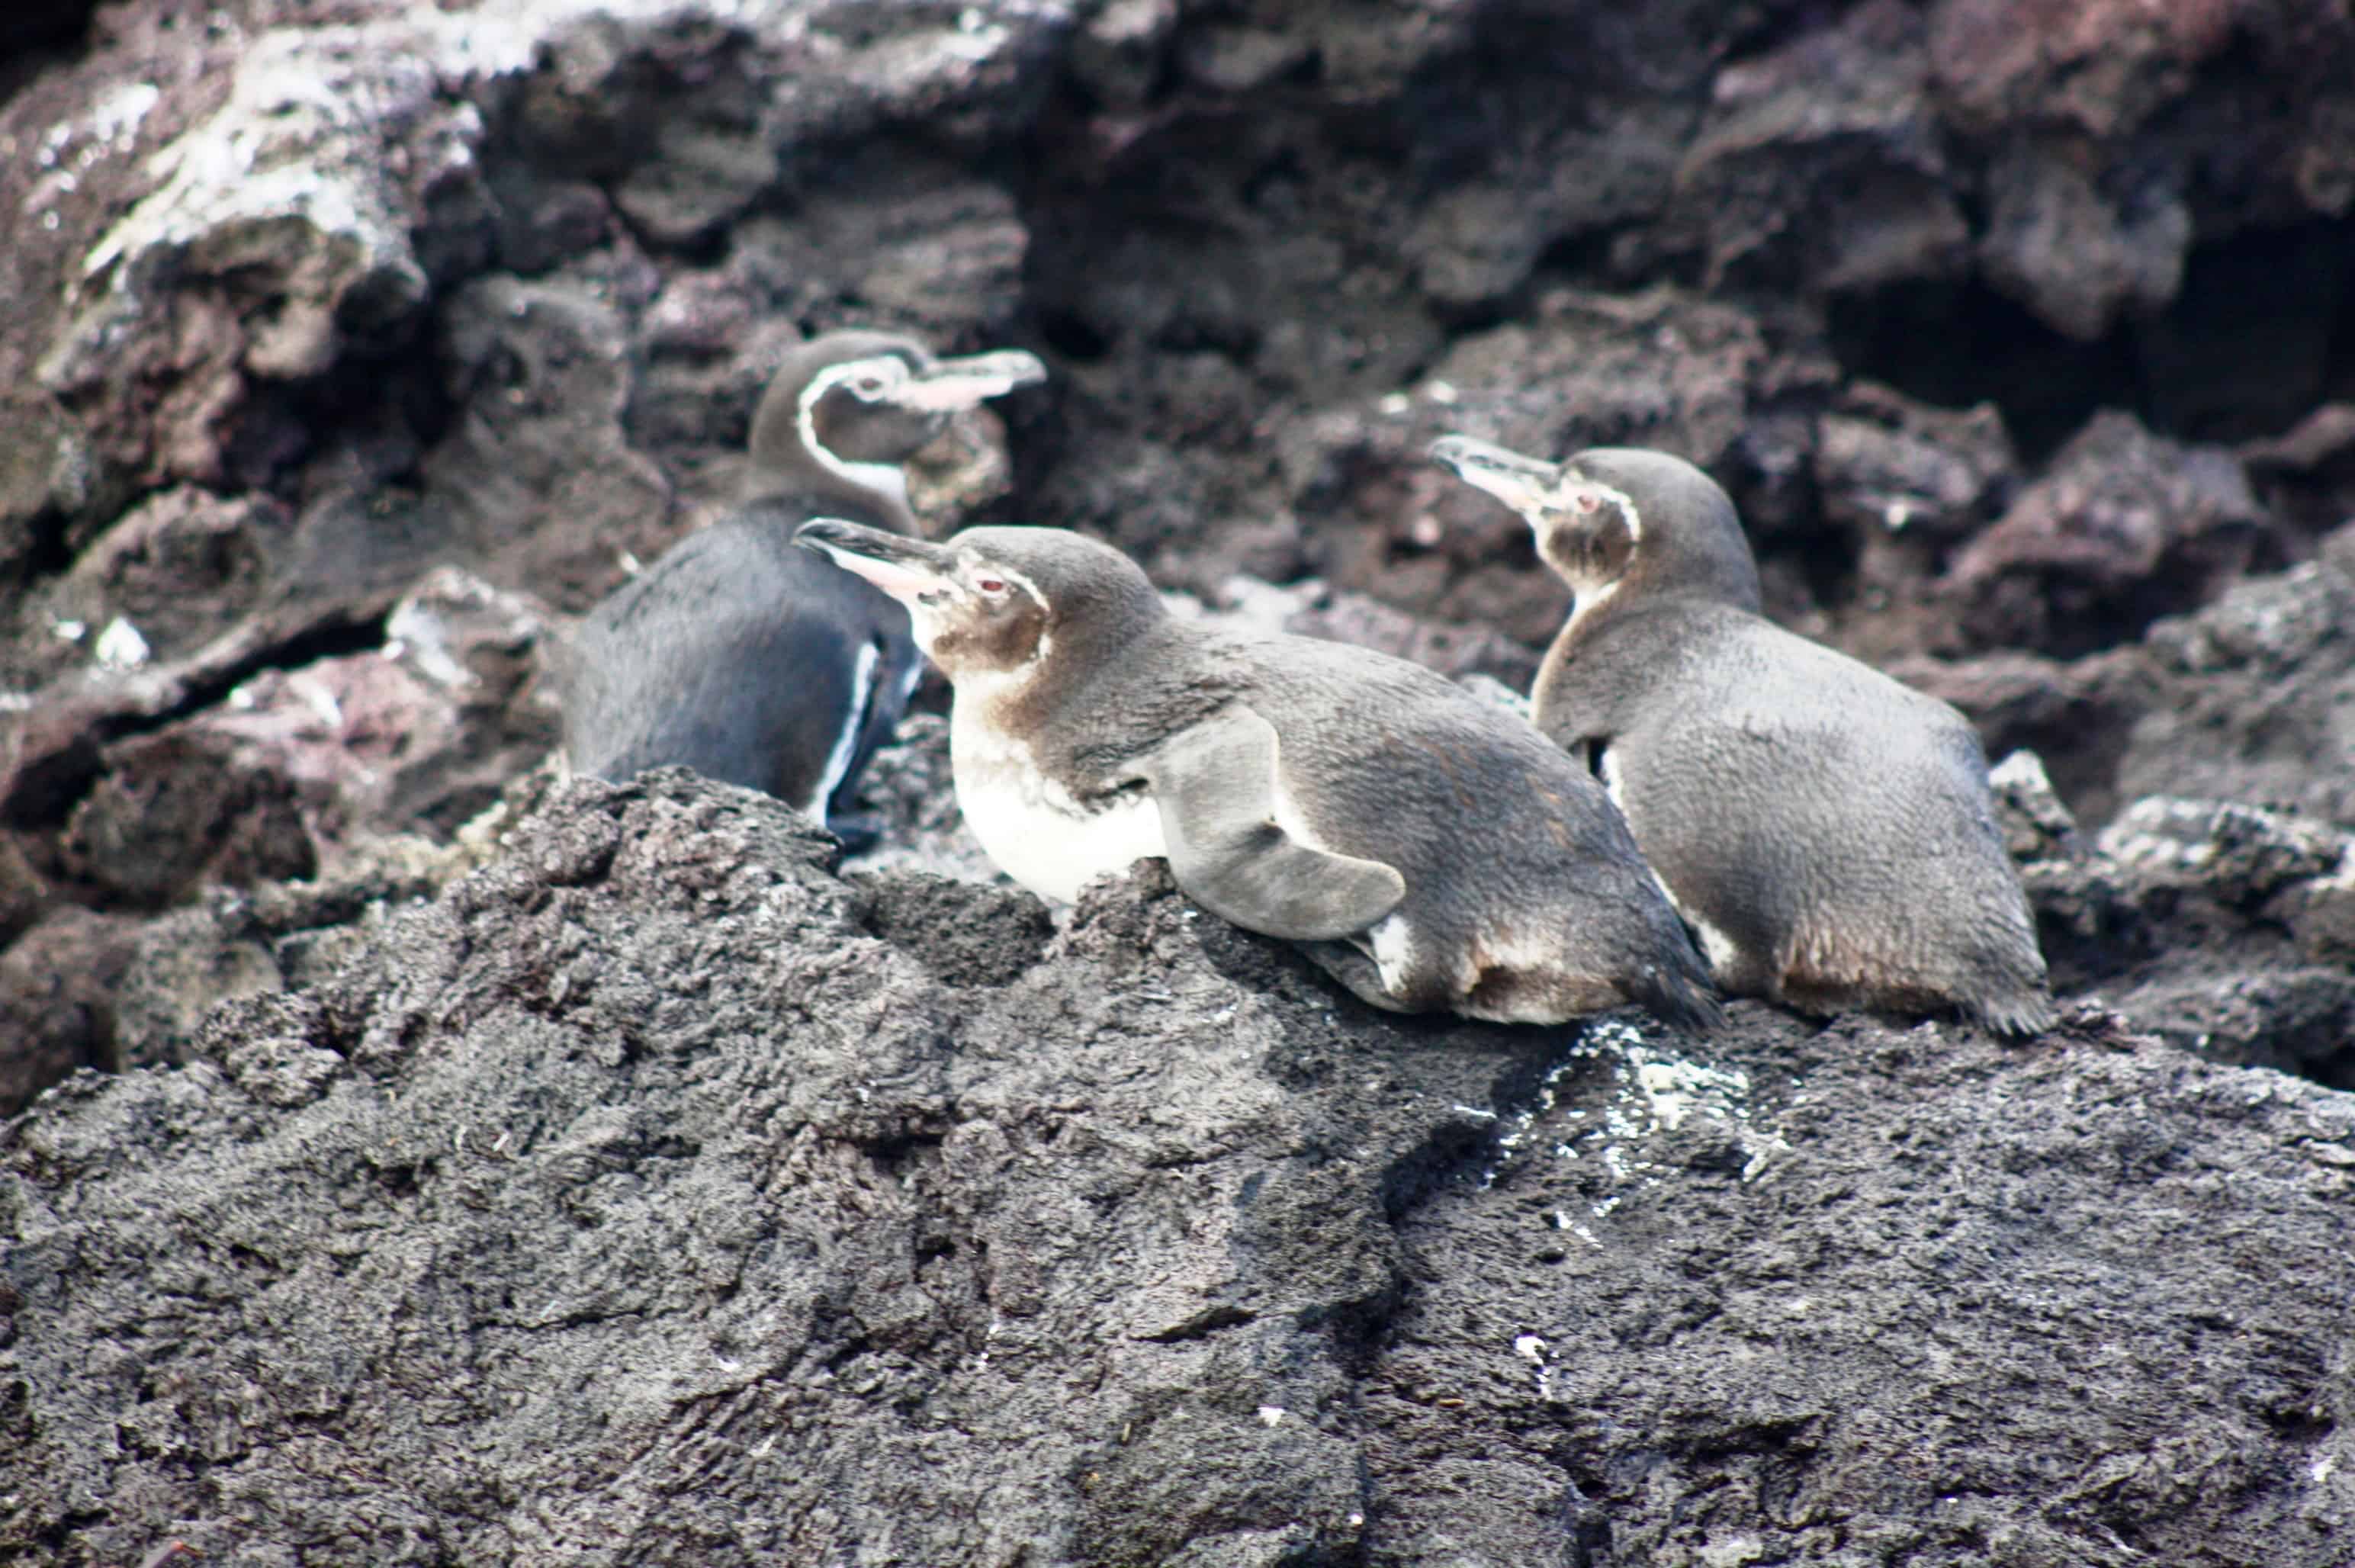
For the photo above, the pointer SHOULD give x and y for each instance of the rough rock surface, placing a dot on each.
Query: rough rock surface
(349, 353)
(654, 1195)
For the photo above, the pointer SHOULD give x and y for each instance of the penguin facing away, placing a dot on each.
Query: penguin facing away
(1828, 831)
(756, 663)
(1424, 847)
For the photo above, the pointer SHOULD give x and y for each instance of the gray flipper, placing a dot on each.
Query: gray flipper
(1215, 784)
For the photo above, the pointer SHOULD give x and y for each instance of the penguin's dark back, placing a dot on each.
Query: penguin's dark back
(1653, 670)
(1382, 758)
(731, 655)
(1823, 782)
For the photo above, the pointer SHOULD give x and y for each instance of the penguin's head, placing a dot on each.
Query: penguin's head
(852, 405)
(1610, 513)
(990, 605)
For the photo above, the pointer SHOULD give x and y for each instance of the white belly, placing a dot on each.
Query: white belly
(1390, 944)
(1033, 828)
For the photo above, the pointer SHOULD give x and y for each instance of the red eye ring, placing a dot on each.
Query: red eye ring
(990, 584)
(1586, 501)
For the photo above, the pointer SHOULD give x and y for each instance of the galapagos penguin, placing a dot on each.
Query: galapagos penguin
(1428, 850)
(1827, 832)
(756, 663)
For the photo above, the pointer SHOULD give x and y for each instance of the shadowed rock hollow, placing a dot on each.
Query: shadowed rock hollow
(619, 1178)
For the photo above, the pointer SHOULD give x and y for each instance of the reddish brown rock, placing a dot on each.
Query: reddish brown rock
(1844, 114)
(2122, 528)
(1905, 485)
(302, 306)
(175, 810)
(56, 995)
(177, 567)
(2075, 716)
(2102, 67)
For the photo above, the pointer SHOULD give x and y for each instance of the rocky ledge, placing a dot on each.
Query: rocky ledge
(421, 1160)
(658, 1194)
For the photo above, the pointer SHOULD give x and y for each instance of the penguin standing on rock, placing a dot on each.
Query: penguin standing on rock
(1827, 832)
(1428, 850)
(758, 663)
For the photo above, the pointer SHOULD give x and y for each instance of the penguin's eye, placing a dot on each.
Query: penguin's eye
(1585, 500)
(868, 387)
(993, 586)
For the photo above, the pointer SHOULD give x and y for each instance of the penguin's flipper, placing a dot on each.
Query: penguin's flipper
(1215, 784)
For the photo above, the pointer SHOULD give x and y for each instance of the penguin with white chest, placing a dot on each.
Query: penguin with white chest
(1828, 831)
(756, 663)
(1428, 850)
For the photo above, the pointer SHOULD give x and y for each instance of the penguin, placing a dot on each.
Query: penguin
(1428, 850)
(1827, 832)
(756, 663)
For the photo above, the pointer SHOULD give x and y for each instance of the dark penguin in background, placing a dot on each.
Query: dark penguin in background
(1427, 849)
(1828, 831)
(756, 663)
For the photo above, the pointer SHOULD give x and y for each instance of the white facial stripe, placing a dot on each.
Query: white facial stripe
(1589, 598)
(1572, 479)
(1045, 639)
(1019, 581)
(889, 368)
(893, 370)
(883, 478)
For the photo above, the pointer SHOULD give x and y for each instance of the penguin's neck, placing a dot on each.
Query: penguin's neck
(875, 493)
(1707, 573)
(1716, 568)
(1561, 703)
(1587, 606)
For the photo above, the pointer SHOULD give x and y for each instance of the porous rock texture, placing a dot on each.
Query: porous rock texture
(655, 1195)
(479, 1167)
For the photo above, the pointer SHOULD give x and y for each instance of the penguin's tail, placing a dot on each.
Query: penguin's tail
(1682, 997)
(2022, 1015)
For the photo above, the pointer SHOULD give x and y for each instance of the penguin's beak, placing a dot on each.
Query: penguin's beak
(906, 568)
(947, 386)
(1524, 483)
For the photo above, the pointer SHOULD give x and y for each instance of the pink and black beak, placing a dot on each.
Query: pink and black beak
(910, 570)
(1525, 483)
(947, 386)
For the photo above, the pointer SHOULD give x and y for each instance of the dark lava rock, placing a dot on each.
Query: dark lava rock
(174, 812)
(58, 987)
(1843, 114)
(2248, 914)
(2251, 699)
(2254, 696)
(624, 1186)
(2121, 529)
(631, 1202)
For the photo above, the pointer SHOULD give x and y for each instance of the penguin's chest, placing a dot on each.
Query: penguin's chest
(1037, 831)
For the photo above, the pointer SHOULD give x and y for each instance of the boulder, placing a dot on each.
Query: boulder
(653, 1194)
